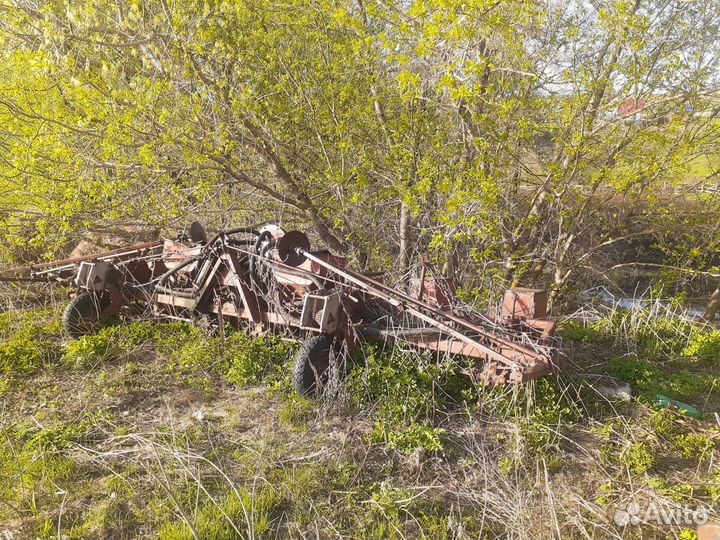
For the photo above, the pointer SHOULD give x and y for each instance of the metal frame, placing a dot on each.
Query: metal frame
(273, 281)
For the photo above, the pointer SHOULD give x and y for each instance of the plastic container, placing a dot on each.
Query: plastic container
(665, 402)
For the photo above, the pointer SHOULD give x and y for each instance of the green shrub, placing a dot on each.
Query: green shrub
(407, 439)
(704, 346)
(651, 380)
(20, 356)
(638, 457)
(693, 445)
(87, 351)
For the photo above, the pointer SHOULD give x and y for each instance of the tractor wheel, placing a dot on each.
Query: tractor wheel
(82, 314)
(312, 363)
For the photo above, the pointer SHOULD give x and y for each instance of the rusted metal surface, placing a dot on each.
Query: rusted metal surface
(520, 303)
(272, 281)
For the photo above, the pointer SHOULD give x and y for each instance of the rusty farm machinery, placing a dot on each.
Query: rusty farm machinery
(271, 281)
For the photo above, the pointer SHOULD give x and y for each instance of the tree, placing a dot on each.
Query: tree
(548, 136)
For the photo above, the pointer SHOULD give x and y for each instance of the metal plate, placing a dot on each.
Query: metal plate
(287, 248)
(197, 233)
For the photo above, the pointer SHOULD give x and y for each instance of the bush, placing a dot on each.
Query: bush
(20, 356)
(695, 446)
(638, 457)
(406, 439)
(406, 390)
(704, 346)
(651, 380)
(87, 351)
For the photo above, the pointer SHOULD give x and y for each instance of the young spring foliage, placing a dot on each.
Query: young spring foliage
(529, 133)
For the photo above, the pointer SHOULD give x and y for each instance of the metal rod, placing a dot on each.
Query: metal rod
(450, 316)
(69, 263)
(383, 291)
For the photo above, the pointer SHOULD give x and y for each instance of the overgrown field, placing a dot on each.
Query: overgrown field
(163, 430)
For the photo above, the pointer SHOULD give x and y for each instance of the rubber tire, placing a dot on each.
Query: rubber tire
(83, 313)
(312, 362)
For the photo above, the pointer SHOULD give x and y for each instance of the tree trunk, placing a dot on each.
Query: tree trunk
(450, 267)
(404, 262)
(712, 306)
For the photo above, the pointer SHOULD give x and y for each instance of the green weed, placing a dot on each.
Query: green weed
(407, 439)
(239, 358)
(88, 351)
(296, 410)
(31, 324)
(406, 390)
(388, 506)
(231, 515)
(20, 356)
(650, 379)
(647, 333)
(704, 346)
(579, 332)
(539, 413)
(694, 445)
(664, 423)
(638, 458)
(32, 468)
(251, 360)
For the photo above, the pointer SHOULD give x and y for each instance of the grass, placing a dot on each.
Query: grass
(161, 430)
(703, 167)
(657, 350)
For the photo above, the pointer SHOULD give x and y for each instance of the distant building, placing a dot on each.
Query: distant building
(632, 111)
(660, 109)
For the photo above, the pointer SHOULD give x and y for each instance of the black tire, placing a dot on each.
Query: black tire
(312, 365)
(82, 315)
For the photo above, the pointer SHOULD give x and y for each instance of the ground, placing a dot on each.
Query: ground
(162, 430)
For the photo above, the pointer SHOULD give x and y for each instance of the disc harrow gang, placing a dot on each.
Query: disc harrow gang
(271, 281)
